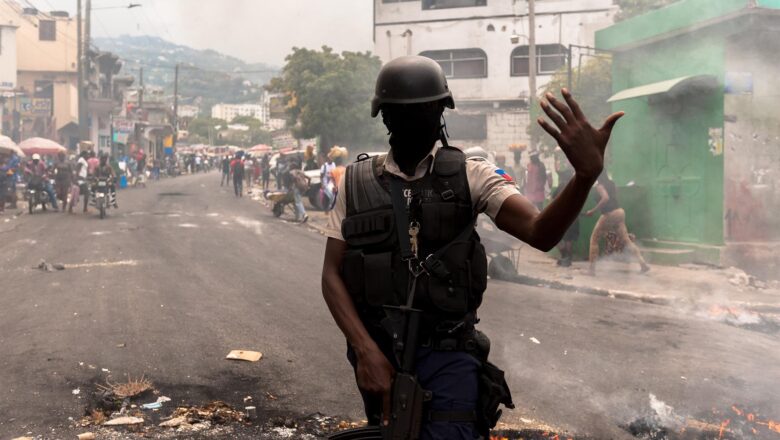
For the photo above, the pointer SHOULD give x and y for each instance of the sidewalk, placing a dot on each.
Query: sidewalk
(708, 289)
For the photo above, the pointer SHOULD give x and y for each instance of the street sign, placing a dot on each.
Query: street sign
(41, 106)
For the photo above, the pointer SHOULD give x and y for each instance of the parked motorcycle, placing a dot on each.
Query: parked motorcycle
(36, 195)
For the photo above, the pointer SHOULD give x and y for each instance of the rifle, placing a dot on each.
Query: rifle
(407, 396)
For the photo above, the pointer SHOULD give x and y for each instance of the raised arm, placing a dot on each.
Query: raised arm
(584, 146)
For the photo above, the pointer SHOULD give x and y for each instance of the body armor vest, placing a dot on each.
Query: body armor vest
(373, 270)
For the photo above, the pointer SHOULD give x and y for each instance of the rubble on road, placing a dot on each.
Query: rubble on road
(216, 412)
(123, 421)
(48, 267)
(244, 355)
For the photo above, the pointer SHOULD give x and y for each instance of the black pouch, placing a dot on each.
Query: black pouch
(449, 284)
(493, 392)
(378, 279)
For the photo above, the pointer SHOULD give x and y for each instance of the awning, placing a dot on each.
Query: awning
(672, 88)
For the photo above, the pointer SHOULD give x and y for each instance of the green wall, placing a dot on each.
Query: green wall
(663, 147)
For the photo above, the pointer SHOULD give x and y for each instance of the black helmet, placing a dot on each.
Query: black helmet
(411, 80)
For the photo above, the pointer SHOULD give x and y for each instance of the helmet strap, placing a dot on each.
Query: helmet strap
(444, 134)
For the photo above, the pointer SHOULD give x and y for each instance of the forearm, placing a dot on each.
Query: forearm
(551, 224)
(344, 313)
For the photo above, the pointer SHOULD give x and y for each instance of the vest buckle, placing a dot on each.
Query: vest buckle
(448, 195)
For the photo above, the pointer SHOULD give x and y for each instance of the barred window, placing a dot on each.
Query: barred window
(460, 63)
(47, 30)
(549, 58)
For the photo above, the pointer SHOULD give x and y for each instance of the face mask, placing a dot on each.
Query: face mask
(413, 129)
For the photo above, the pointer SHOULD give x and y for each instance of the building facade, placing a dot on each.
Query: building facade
(7, 78)
(483, 47)
(46, 52)
(228, 112)
(701, 147)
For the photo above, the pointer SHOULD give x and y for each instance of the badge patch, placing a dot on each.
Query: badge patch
(503, 174)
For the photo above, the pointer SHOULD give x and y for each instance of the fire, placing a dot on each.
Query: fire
(754, 421)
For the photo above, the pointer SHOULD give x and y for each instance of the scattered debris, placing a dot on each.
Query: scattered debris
(86, 436)
(216, 412)
(250, 412)
(174, 422)
(48, 267)
(153, 405)
(534, 340)
(121, 421)
(131, 388)
(122, 345)
(243, 355)
(76, 392)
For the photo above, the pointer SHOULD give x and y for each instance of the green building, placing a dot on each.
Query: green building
(698, 153)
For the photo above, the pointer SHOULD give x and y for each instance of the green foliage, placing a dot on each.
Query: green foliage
(591, 87)
(328, 95)
(632, 8)
(203, 126)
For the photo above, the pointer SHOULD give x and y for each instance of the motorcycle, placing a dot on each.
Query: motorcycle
(101, 195)
(280, 200)
(36, 194)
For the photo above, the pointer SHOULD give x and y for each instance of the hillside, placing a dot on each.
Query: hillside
(206, 74)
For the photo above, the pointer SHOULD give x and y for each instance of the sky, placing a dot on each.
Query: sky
(253, 30)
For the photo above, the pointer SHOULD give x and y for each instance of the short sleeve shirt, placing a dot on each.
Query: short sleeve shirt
(489, 185)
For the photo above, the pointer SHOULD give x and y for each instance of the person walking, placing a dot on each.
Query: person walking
(266, 170)
(299, 184)
(406, 251)
(63, 176)
(225, 171)
(612, 219)
(327, 184)
(237, 171)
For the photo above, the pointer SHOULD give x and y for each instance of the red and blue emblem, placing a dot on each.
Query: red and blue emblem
(503, 174)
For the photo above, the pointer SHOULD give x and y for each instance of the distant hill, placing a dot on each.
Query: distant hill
(206, 76)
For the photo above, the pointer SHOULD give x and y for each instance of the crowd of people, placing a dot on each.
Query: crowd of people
(291, 174)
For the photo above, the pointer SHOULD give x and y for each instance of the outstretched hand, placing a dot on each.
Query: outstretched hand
(583, 144)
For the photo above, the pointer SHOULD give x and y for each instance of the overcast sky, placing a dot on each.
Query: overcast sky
(254, 30)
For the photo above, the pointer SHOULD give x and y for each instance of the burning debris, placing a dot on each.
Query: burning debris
(735, 424)
(739, 317)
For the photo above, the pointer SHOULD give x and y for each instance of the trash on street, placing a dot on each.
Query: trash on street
(243, 355)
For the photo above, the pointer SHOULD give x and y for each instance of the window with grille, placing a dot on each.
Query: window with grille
(549, 58)
(460, 63)
(47, 30)
(444, 4)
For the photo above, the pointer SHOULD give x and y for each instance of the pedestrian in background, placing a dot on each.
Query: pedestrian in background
(566, 246)
(225, 171)
(237, 171)
(266, 170)
(63, 176)
(536, 181)
(612, 219)
(299, 183)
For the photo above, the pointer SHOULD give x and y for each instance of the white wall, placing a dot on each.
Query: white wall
(570, 26)
(7, 57)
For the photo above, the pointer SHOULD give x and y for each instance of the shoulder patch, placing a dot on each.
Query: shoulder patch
(504, 174)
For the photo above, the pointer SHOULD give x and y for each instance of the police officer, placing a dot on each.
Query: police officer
(407, 231)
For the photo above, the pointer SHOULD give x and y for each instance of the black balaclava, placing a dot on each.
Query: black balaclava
(414, 129)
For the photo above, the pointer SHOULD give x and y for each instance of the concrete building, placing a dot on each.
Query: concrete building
(7, 77)
(483, 47)
(701, 147)
(229, 112)
(46, 49)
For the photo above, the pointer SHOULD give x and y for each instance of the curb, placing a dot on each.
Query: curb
(627, 295)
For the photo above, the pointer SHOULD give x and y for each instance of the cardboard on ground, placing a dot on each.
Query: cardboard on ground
(244, 355)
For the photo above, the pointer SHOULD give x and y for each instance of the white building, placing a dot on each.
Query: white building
(483, 47)
(189, 111)
(229, 112)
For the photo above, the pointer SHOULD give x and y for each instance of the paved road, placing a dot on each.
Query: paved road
(185, 272)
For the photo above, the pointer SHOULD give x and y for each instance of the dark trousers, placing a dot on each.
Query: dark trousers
(238, 186)
(4, 186)
(453, 379)
(225, 179)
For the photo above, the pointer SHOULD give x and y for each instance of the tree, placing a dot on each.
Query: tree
(204, 127)
(632, 8)
(328, 95)
(591, 87)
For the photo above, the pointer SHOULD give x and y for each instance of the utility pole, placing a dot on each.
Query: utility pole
(532, 63)
(141, 89)
(85, 68)
(82, 105)
(176, 104)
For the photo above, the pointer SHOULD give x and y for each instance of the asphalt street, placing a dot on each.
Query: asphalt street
(184, 272)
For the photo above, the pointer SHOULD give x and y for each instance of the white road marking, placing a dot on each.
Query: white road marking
(102, 264)
(188, 225)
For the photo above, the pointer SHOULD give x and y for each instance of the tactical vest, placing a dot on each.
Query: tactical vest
(373, 270)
